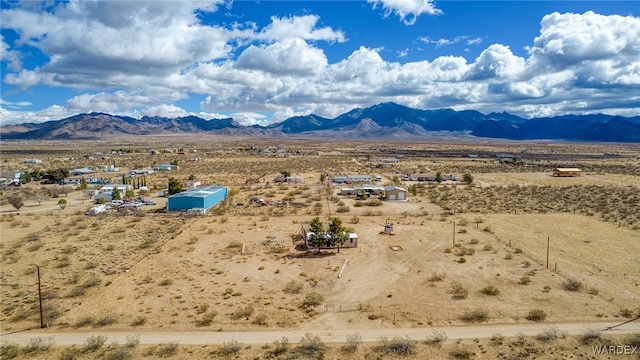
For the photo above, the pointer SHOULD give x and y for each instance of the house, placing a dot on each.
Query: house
(121, 187)
(567, 172)
(165, 167)
(396, 193)
(294, 179)
(191, 184)
(31, 161)
(350, 242)
(97, 209)
(202, 198)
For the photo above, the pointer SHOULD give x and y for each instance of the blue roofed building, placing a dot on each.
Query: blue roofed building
(199, 199)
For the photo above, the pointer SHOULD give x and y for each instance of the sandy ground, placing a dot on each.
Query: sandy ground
(169, 272)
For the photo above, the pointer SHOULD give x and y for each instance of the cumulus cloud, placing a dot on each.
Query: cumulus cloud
(407, 10)
(282, 69)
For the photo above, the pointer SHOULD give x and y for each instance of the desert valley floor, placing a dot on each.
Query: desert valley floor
(515, 246)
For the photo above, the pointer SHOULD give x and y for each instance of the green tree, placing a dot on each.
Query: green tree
(25, 177)
(115, 194)
(192, 177)
(16, 201)
(83, 184)
(467, 178)
(62, 203)
(57, 175)
(286, 173)
(439, 177)
(323, 177)
(129, 193)
(338, 234)
(317, 237)
(413, 189)
(174, 186)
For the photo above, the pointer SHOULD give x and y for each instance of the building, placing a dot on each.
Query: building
(566, 172)
(191, 184)
(165, 167)
(202, 198)
(395, 193)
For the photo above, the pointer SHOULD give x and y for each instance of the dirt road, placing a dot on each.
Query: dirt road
(330, 336)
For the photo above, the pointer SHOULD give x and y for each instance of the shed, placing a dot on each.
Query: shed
(204, 197)
(564, 172)
(396, 193)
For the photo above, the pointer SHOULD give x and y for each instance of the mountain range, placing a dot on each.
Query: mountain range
(382, 121)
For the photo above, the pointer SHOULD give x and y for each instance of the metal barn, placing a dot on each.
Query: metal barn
(202, 198)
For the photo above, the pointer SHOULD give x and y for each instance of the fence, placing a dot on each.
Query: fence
(351, 306)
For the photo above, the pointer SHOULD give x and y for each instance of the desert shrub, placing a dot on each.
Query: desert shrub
(40, 343)
(462, 231)
(312, 346)
(293, 287)
(9, 350)
(496, 339)
(525, 280)
(633, 340)
(202, 308)
(437, 276)
(234, 244)
(244, 312)
(475, 316)
(138, 321)
(474, 241)
(230, 347)
(312, 299)
(461, 353)
(374, 202)
(358, 204)
(402, 346)
(106, 320)
(550, 334)
(487, 247)
(94, 342)
(280, 346)
(166, 350)
(462, 260)
(590, 334)
(490, 290)
(355, 220)
(517, 250)
(572, 285)
(207, 319)
(70, 353)
(342, 209)
(458, 291)
(260, 319)
(166, 282)
(353, 342)
(85, 321)
(436, 337)
(94, 281)
(536, 315)
(627, 313)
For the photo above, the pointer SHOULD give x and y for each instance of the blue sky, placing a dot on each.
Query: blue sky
(265, 61)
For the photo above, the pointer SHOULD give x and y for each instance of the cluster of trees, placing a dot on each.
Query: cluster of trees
(332, 236)
(136, 182)
(54, 176)
(174, 186)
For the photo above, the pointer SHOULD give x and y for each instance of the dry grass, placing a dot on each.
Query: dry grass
(169, 271)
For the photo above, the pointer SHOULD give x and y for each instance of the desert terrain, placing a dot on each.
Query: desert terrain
(516, 246)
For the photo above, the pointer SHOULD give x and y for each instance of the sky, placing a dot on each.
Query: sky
(261, 62)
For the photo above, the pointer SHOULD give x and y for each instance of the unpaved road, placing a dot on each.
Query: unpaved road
(330, 336)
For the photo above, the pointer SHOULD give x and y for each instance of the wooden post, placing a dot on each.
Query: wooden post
(40, 299)
(454, 233)
(547, 252)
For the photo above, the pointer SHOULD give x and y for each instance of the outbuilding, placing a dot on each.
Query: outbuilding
(203, 198)
(566, 172)
(396, 193)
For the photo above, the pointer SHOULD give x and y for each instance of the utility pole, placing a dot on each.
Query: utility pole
(40, 298)
(454, 233)
(547, 252)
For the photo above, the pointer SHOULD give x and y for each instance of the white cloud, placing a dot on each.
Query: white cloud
(290, 56)
(283, 69)
(407, 10)
(299, 27)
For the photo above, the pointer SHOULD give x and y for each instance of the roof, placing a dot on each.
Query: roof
(567, 169)
(391, 188)
(199, 192)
